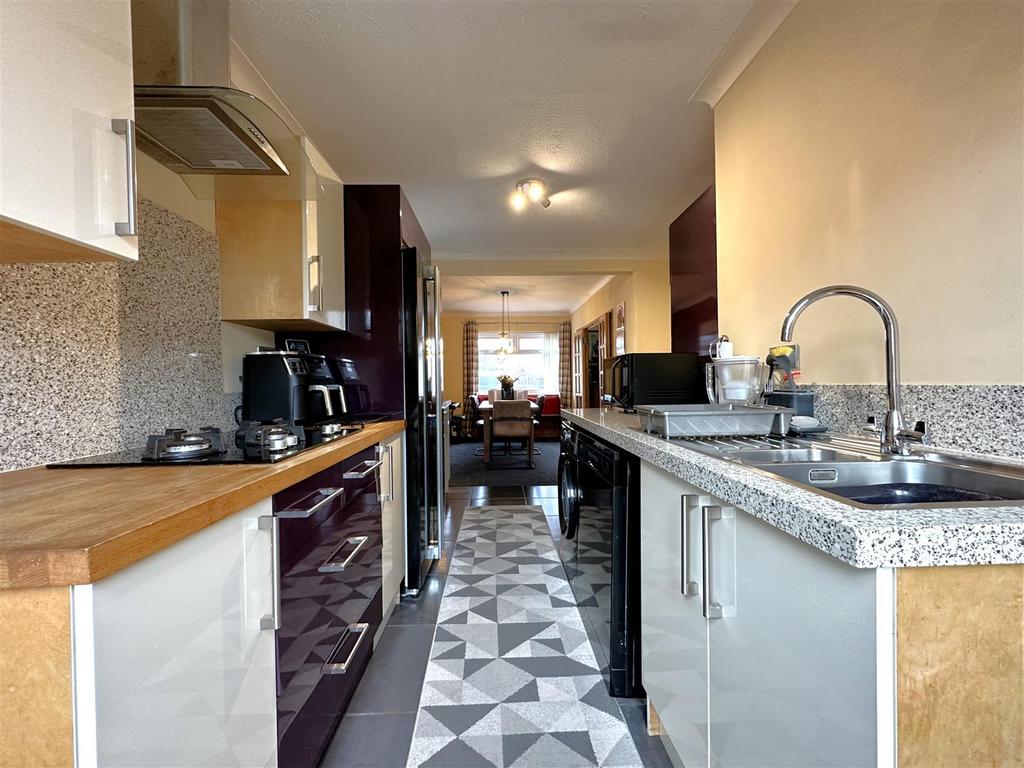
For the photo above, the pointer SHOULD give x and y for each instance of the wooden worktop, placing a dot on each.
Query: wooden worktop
(75, 526)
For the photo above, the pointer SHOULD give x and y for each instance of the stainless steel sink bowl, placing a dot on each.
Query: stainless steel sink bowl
(904, 482)
(790, 455)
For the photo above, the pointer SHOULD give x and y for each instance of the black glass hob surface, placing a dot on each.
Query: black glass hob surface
(231, 451)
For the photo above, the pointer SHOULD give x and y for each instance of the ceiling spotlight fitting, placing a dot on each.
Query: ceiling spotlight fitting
(530, 190)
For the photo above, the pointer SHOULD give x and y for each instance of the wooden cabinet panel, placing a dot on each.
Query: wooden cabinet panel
(282, 262)
(960, 666)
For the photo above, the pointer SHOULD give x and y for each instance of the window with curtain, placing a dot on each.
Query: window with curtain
(534, 361)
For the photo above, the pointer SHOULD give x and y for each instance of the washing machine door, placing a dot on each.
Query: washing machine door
(568, 485)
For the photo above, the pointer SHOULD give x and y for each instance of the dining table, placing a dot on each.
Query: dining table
(486, 408)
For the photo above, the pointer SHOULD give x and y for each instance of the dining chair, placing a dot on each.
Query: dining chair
(513, 420)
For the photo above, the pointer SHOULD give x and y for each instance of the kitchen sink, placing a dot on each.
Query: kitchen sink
(899, 481)
(852, 468)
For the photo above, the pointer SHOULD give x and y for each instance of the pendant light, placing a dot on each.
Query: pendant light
(505, 336)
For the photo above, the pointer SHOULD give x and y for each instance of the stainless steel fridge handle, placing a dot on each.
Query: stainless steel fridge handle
(709, 512)
(438, 409)
(272, 523)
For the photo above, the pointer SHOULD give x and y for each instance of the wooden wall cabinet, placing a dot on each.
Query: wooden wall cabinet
(65, 175)
(282, 262)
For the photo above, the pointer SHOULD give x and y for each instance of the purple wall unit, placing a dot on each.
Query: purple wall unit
(378, 222)
(693, 266)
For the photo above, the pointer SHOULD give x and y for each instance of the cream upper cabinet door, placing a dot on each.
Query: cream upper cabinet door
(65, 176)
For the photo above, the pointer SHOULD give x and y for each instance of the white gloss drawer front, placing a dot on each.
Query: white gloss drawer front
(171, 665)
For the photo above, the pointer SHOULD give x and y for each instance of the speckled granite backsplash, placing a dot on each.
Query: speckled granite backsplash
(94, 357)
(973, 417)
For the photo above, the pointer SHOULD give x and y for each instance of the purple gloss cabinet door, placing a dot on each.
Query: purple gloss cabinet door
(330, 611)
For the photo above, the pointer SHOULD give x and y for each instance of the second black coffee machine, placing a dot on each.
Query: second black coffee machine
(274, 386)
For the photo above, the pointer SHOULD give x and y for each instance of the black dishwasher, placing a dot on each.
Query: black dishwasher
(599, 513)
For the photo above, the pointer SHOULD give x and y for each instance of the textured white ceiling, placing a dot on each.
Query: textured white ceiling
(456, 99)
(535, 295)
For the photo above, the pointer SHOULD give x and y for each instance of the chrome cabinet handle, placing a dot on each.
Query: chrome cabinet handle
(301, 513)
(272, 524)
(367, 467)
(381, 451)
(124, 127)
(330, 565)
(334, 668)
(391, 472)
(310, 261)
(709, 512)
(687, 588)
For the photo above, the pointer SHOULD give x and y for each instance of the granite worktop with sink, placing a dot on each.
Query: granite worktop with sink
(866, 538)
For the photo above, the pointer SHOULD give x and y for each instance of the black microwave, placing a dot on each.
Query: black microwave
(655, 378)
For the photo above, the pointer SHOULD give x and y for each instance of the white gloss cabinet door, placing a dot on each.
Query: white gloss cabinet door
(66, 73)
(674, 635)
(792, 663)
(172, 667)
(393, 518)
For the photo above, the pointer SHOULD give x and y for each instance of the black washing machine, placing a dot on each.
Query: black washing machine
(599, 515)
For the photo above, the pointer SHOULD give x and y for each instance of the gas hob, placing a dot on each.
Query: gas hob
(253, 443)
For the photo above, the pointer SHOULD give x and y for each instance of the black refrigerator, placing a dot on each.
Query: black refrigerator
(425, 416)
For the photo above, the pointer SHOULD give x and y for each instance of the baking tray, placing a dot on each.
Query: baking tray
(696, 420)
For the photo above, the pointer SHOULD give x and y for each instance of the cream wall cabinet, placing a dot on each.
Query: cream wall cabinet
(67, 179)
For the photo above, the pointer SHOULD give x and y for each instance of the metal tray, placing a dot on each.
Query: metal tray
(696, 420)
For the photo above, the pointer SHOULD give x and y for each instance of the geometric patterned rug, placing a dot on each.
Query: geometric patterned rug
(512, 680)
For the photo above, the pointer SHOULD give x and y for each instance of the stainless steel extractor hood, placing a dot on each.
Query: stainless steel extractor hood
(199, 130)
(189, 118)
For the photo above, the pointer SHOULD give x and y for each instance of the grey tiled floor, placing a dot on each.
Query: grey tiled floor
(377, 730)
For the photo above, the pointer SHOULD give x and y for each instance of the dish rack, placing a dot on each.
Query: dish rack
(714, 420)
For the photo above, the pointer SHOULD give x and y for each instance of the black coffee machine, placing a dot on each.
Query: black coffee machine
(356, 394)
(326, 398)
(292, 386)
(275, 385)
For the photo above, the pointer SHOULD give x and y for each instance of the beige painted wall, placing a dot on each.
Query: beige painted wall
(451, 338)
(879, 144)
(647, 297)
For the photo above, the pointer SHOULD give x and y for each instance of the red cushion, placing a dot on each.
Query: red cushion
(552, 405)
